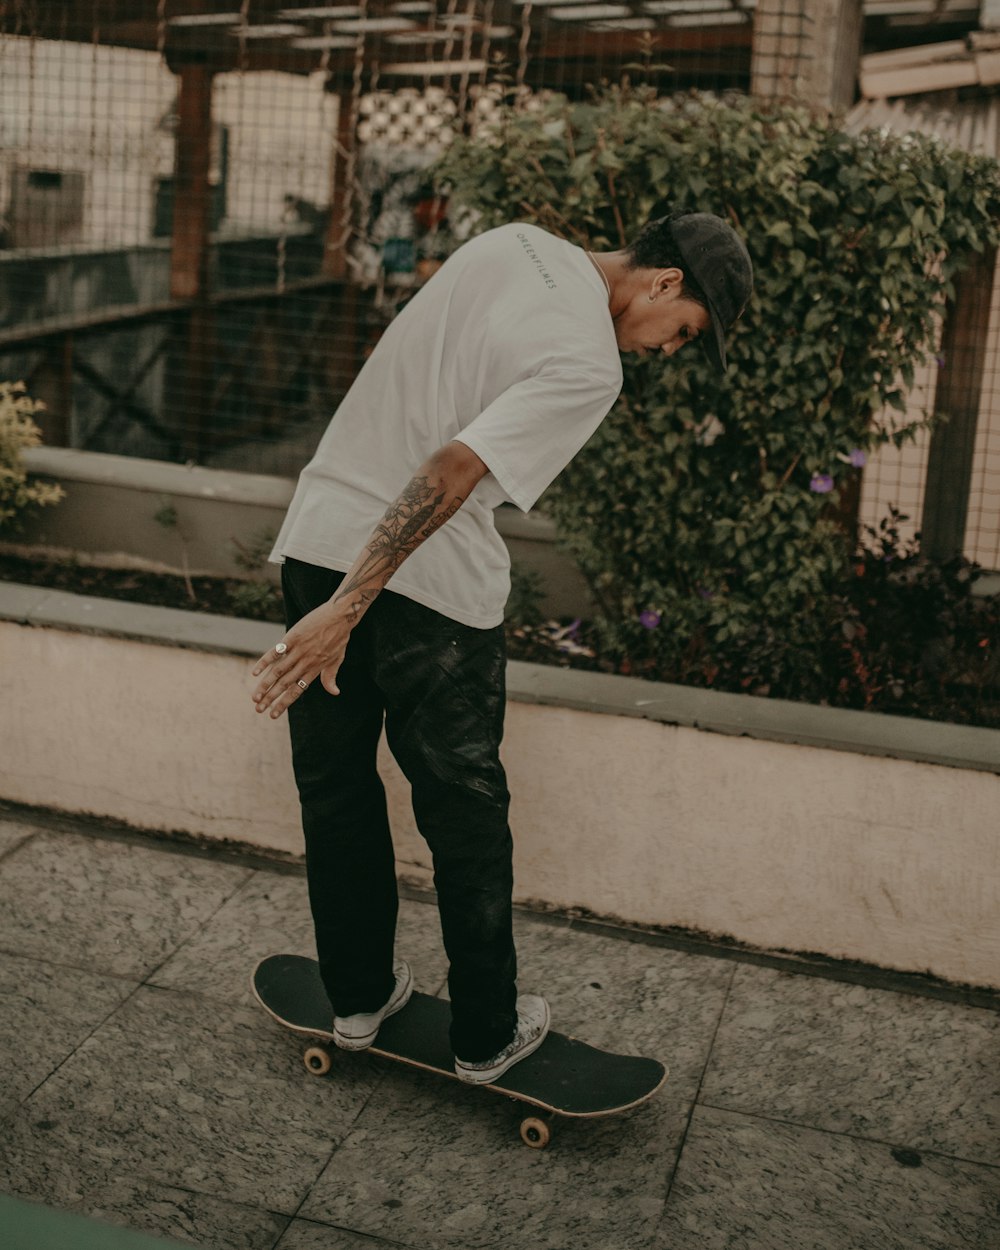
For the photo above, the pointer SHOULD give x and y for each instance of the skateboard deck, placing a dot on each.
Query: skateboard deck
(564, 1077)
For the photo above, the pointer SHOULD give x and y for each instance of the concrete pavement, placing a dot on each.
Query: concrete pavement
(141, 1084)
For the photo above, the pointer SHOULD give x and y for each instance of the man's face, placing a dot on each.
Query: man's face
(664, 325)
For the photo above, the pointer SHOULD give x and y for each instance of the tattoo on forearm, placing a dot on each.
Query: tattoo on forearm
(412, 518)
(439, 518)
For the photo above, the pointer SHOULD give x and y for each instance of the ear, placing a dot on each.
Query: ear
(666, 281)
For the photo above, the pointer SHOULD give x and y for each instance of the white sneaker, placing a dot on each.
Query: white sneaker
(359, 1031)
(533, 1018)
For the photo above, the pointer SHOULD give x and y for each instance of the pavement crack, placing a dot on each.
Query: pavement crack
(696, 1101)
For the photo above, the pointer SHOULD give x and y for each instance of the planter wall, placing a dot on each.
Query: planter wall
(851, 835)
(109, 517)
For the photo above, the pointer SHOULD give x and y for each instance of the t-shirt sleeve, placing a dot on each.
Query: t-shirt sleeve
(530, 432)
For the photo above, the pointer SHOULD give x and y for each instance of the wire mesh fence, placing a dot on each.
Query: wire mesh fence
(898, 476)
(982, 530)
(206, 231)
(209, 213)
(946, 485)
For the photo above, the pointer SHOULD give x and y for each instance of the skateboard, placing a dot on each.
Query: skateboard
(563, 1078)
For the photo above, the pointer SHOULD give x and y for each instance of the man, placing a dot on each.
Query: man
(480, 392)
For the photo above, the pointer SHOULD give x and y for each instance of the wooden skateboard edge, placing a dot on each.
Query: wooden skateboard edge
(374, 1049)
(286, 1024)
(528, 1101)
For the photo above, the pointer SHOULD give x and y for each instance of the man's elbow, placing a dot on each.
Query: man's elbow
(461, 464)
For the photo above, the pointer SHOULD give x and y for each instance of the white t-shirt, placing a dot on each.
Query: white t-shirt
(510, 349)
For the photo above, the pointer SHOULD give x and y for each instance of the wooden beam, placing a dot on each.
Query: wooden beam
(932, 67)
(574, 44)
(960, 384)
(190, 359)
(917, 79)
(192, 194)
(988, 68)
(922, 54)
(130, 316)
(569, 53)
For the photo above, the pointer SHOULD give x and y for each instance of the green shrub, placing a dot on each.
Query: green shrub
(703, 512)
(911, 635)
(18, 494)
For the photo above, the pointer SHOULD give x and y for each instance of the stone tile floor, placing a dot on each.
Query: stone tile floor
(141, 1084)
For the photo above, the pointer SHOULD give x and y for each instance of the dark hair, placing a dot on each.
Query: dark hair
(654, 247)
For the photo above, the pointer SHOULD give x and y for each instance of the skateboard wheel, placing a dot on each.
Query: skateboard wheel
(535, 1133)
(317, 1060)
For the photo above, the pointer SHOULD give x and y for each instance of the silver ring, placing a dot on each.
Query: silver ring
(280, 648)
(303, 684)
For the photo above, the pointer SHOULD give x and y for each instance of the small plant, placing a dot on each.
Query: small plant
(167, 517)
(19, 494)
(252, 556)
(909, 633)
(256, 597)
(524, 603)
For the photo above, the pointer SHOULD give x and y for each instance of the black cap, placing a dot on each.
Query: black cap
(716, 261)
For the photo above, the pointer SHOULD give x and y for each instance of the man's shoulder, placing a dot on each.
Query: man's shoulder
(500, 237)
(512, 228)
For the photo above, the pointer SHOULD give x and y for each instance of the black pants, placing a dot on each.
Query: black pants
(439, 688)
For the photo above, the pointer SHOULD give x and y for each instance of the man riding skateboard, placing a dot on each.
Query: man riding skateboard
(480, 392)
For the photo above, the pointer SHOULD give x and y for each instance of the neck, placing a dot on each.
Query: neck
(614, 267)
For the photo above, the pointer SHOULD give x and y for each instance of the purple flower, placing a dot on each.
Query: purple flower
(821, 484)
(858, 458)
(650, 619)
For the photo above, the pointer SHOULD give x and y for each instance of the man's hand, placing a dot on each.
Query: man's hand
(314, 647)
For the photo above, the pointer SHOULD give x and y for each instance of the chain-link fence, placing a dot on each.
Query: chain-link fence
(207, 217)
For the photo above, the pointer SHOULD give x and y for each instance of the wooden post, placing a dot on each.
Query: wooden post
(189, 244)
(344, 361)
(338, 224)
(193, 352)
(807, 50)
(847, 513)
(960, 385)
(51, 381)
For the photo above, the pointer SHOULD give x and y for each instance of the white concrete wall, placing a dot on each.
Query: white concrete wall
(282, 133)
(890, 861)
(93, 109)
(98, 110)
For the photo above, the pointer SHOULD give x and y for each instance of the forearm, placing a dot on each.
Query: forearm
(432, 496)
(317, 644)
